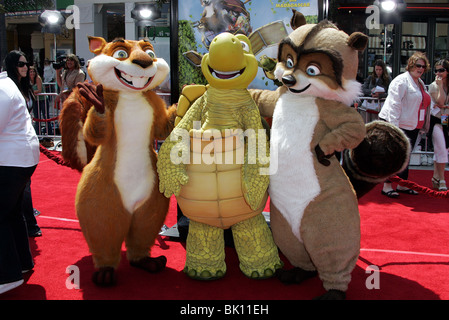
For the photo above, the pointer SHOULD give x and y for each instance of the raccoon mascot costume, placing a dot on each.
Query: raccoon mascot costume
(314, 208)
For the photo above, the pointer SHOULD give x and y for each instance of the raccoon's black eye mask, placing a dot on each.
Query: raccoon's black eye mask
(334, 56)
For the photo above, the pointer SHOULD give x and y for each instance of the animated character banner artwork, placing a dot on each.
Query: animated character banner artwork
(264, 22)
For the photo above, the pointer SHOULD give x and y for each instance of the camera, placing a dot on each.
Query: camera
(61, 60)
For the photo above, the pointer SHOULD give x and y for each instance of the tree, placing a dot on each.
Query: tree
(188, 73)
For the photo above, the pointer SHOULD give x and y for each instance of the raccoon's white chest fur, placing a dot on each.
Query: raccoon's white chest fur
(134, 174)
(295, 183)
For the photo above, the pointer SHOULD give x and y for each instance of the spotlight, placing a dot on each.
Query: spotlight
(145, 12)
(51, 21)
(391, 10)
(388, 5)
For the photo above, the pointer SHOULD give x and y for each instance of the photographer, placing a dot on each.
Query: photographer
(68, 78)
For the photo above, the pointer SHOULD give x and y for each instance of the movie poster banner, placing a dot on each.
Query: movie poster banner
(264, 22)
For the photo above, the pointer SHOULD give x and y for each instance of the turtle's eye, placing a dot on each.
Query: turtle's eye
(245, 46)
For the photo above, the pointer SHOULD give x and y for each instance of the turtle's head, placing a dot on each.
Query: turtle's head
(230, 63)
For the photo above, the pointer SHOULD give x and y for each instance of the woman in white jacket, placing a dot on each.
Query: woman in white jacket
(19, 156)
(405, 107)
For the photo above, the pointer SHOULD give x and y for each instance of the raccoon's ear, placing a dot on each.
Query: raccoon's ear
(358, 41)
(297, 20)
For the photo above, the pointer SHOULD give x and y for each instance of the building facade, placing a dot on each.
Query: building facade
(421, 25)
(24, 32)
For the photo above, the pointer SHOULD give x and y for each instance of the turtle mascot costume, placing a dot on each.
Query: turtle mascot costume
(211, 163)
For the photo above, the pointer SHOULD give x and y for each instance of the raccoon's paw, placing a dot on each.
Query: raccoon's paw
(332, 295)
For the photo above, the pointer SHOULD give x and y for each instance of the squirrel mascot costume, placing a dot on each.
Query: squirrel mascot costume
(108, 130)
(314, 208)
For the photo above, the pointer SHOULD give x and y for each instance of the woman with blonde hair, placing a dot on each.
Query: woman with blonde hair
(439, 92)
(405, 107)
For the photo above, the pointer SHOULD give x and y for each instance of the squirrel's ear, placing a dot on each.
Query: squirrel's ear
(96, 44)
(297, 20)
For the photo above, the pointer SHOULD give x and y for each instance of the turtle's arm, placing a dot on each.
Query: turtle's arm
(188, 96)
(175, 153)
(254, 171)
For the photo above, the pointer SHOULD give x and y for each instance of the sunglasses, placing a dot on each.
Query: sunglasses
(439, 70)
(21, 64)
(417, 65)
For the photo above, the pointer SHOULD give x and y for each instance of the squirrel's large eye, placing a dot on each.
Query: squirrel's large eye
(289, 63)
(313, 70)
(120, 54)
(150, 53)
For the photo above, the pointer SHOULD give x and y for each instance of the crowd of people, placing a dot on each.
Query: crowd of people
(418, 111)
(408, 105)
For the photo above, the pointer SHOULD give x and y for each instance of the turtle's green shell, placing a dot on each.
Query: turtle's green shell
(213, 194)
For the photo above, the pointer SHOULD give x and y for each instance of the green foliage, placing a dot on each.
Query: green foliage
(27, 5)
(159, 3)
(188, 73)
(311, 19)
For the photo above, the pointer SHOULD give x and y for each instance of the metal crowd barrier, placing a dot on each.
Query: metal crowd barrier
(366, 112)
(46, 117)
(421, 152)
(46, 120)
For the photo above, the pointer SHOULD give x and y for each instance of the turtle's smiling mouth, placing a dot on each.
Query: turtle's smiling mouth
(133, 82)
(222, 75)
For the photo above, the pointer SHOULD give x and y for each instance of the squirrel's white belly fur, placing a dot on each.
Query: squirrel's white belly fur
(134, 175)
(295, 184)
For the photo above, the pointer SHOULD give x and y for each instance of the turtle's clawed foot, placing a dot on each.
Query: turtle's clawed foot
(268, 273)
(204, 275)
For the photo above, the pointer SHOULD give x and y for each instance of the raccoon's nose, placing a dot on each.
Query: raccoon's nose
(289, 80)
(143, 63)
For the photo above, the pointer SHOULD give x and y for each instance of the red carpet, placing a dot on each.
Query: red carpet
(407, 239)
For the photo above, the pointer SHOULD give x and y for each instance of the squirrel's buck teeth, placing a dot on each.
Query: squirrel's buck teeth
(138, 82)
